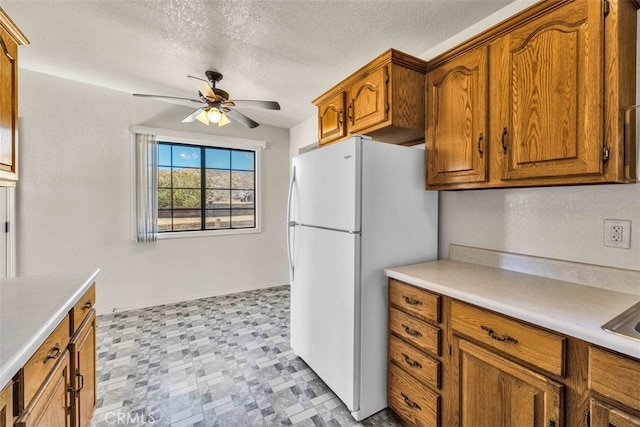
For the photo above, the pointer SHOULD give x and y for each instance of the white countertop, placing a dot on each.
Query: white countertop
(569, 308)
(30, 309)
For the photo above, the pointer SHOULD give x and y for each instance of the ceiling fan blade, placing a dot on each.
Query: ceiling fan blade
(245, 103)
(241, 118)
(144, 95)
(193, 116)
(202, 117)
(223, 121)
(204, 88)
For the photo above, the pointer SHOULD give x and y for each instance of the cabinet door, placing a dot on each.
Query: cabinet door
(368, 103)
(552, 88)
(603, 415)
(497, 392)
(83, 364)
(331, 126)
(8, 105)
(457, 110)
(50, 407)
(6, 406)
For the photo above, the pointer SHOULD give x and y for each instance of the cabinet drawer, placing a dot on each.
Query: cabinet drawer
(414, 301)
(419, 333)
(615, 376)
(41, 363)
(416, 363)
(82, 308)
(410, 399)
(542, 349)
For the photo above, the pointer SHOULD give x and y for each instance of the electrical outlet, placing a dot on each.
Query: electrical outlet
(617, 233)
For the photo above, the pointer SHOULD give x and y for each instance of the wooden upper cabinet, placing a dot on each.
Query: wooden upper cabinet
(368, 103)
(457, 110)
(384, 100)
(10, 39)
(559, 76)
(553, 86)
(331, 113)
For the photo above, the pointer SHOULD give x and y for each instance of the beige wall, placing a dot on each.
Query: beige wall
(74, 200)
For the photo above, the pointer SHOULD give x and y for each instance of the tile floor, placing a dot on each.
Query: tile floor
(220, 361)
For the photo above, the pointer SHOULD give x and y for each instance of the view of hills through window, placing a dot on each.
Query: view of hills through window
(205, 188)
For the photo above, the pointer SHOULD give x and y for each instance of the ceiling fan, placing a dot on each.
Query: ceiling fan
(216, 105)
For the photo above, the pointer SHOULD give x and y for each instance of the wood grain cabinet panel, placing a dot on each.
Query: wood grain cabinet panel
(80, 311)
(331, 119)
(457, 110)
(497, 392)
(10, 39)
(554, 88)
(615, 376)
(536, 100)
(604, 415)
(530, 344)
(51, 405)
(417, 302)
(384, 99)
(409, 400)
(83, 370)
(6, 406)
(414, 331)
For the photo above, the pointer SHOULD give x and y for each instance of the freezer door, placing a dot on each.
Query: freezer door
(326, 190)
(324, 311)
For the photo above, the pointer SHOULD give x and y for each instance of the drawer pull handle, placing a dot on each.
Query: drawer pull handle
(411, 301)
(53, 355)
(411, 362)
(410, 403)
(411, 332)
(87, 305)
(492, 334)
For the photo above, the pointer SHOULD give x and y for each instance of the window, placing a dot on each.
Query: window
(205, 188)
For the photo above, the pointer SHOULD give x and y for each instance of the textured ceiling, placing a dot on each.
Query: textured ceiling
(290, 51)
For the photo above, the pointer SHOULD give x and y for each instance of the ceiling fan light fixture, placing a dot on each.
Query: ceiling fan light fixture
(214, 115)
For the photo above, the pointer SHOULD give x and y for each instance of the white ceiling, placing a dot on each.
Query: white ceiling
(290, 51)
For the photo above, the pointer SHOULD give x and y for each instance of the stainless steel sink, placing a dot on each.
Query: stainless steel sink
(626, 324)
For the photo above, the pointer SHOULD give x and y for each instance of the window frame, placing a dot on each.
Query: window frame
(209, 141)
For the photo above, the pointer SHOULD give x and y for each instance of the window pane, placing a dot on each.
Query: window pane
(218, 199)
(164, 220)
(242, 198)
(242, 218)
(217, 218)
(187, 219)
(164, 177)
(218, 178)
(186, 199)
(164, 155)
(186, 178)
(242, 180)
(243, 160)
(164, 198)
(218, 158)
(186, 156)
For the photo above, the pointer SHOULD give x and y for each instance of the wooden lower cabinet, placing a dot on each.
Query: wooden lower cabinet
(83, 371)
(410, 400)
(604, 415)
(497, 392)
(51, 405)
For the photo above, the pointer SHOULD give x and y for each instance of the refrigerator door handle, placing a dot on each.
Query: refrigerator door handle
(290, 223)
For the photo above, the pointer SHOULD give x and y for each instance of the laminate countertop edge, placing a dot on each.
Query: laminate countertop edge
(31, 307)
(569, 308)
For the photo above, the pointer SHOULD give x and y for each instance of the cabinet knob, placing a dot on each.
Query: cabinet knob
(411, 301)
(410, 403)
(411, 332)
(480, 138)
(503, 140)
(87, 305)
(493, 335)
(54, 354)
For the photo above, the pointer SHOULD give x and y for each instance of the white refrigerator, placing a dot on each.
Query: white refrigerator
(355, 208)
